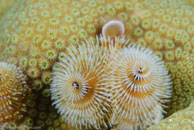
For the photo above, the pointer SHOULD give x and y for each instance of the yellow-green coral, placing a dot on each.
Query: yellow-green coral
(5, 6)
(181, 120)
(34, 33)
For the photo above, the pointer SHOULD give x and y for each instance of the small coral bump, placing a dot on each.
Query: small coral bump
(33, 72)
(138, 32)
(140, 85)
(37, 85)
(77, 87)
(44, 64)
(113, 29)
(51, 54)
(46, 77)
(13, 90)
(59, 44)
(146, 24)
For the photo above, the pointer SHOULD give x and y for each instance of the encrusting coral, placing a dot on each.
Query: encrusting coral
(5, 6)
(140, 85)
(35, 32)
(78, 88)
(181, 120)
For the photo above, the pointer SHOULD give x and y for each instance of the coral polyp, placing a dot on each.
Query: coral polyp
(140, 85)
(13, 88)
(78, 89)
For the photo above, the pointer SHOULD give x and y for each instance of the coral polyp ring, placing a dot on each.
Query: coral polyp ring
(140, 83)
(78, 88)
(13, 89)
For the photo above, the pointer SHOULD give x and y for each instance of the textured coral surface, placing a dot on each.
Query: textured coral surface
(181, 120)
(35, 32)
(6, 5)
